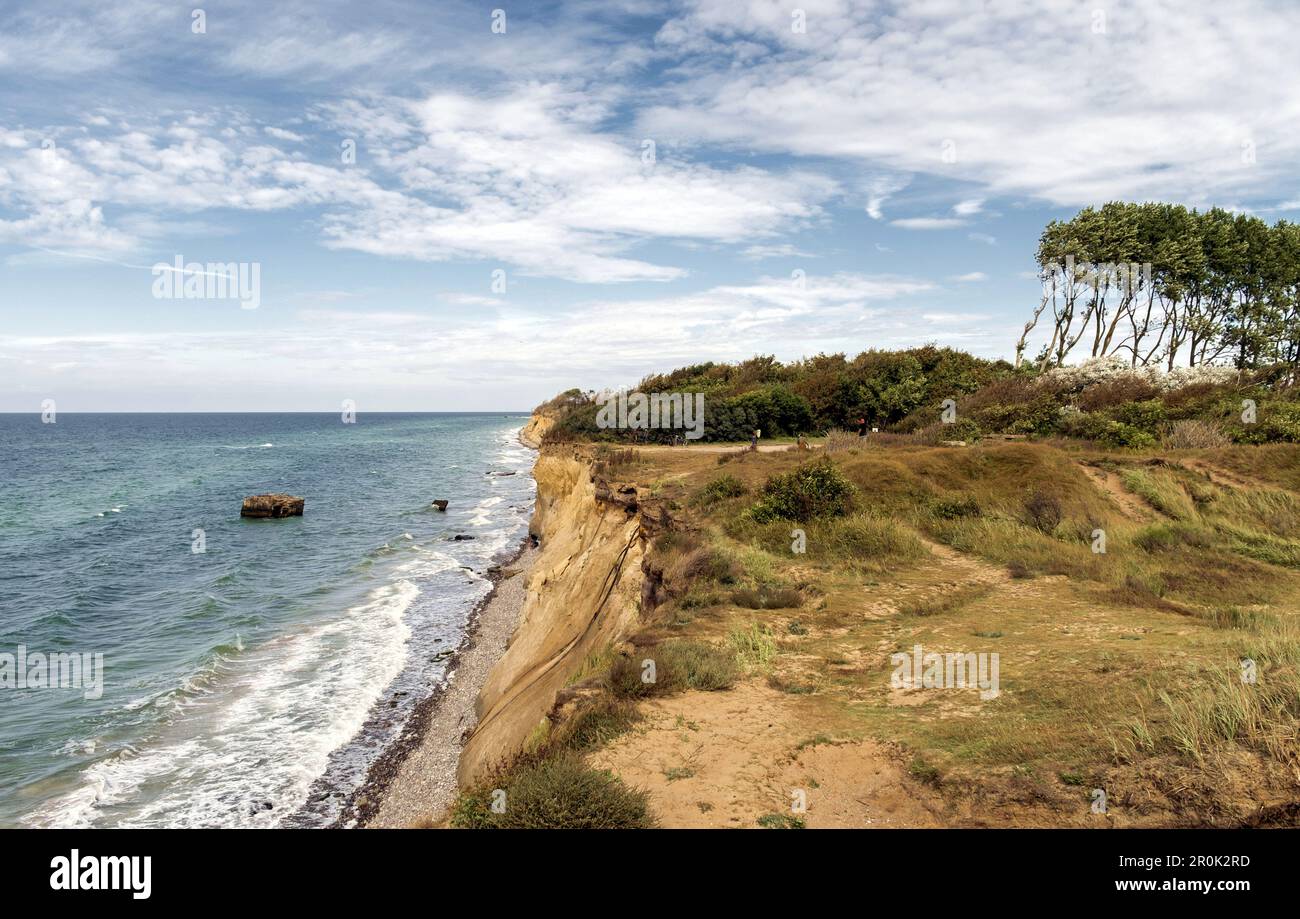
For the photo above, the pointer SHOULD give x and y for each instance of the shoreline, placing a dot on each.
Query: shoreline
(413, 779)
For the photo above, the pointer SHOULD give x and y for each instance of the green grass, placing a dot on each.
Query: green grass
(776, 821)
(754, 645)
(678, 665)
(559, 792)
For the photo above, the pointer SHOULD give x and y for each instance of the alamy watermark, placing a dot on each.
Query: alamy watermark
(638, 411)
(954, 670)
(56, 670)
(180, 280)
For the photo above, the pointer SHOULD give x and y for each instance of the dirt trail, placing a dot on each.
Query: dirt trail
(1110, 485)
(725, 759)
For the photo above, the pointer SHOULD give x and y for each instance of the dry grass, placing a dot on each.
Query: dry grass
(1194, 434)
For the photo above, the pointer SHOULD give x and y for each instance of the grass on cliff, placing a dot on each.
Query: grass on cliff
(556, 792)
(671, 666)
(1109, 657)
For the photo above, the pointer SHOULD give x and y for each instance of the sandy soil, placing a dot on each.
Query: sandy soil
(424, 784)
(724, 759)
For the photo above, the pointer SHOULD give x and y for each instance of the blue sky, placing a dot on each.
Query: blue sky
(876, 178)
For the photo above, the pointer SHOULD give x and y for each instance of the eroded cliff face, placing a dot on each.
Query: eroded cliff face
(583, 593)
(536, 429)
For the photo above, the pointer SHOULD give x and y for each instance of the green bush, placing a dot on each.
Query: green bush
(1146, 416)
(1106, 431)
(1277, 422)
(721, 488)
(561, 792)
(815, 489)
(954, 508)
(679, 664)
(961, 429)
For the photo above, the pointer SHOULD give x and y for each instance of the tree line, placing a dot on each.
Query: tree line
(1164, 285)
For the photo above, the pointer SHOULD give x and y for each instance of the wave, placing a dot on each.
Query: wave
(264, 733)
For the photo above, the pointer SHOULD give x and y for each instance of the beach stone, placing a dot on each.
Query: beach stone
(440, 504)
(272, 506)
(461, 536)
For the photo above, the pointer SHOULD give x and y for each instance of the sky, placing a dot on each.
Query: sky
(473, 206)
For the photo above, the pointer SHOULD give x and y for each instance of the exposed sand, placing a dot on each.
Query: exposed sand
(424, 784)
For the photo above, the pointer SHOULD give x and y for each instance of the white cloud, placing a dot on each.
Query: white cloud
(400, 356)
(970, 277)
(527, 179)
(1159, 106)
(928, 223)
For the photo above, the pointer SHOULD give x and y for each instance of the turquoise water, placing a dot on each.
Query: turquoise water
(235, 678)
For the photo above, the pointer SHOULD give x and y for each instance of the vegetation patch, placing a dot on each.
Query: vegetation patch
(555, 793)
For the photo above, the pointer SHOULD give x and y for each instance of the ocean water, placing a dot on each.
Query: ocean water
(253, 683)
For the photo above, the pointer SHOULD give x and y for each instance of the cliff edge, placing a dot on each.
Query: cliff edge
(583, 593)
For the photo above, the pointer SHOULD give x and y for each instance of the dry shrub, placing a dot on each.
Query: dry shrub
(1009, 391)
(1194, 434)
(1116, 392)
(838, 440)
(1042, 511)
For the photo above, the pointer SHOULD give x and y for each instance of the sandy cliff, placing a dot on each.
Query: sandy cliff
(536, 429)
(583, 593)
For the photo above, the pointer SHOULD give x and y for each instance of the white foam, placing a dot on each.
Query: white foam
(263, 735)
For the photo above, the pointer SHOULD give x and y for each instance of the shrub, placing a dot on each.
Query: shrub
(595, 723)
(815, 489)
(1193, 434)
(955, 508)
(764, 598)
(962, 429)
(679, 664)
(838, 440)
(1105, 431)
(1278, 422)
(721, 488)
(560, 792)
(776, 821)
(1042, 511)
(1146, 416)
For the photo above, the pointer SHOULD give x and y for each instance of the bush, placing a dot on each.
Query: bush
(816, 489)
(764, 598)
(1105, 431)
(961, 429)
(1042, 511)
(721, 488)
(954, 508)
(838, 440)
(595, 723)
(1193, 434)
(561, 792)
(679, 664)
(1146, 416)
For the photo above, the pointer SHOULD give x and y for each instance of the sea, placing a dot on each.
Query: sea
(251, 670)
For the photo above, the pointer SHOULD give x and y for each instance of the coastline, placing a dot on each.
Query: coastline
(414, 778)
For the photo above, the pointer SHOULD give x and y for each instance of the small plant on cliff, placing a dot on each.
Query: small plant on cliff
(672, 666)
(561, 792)
(816, 489)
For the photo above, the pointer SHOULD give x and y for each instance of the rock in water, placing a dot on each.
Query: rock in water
(272, 506)
(440, 504)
